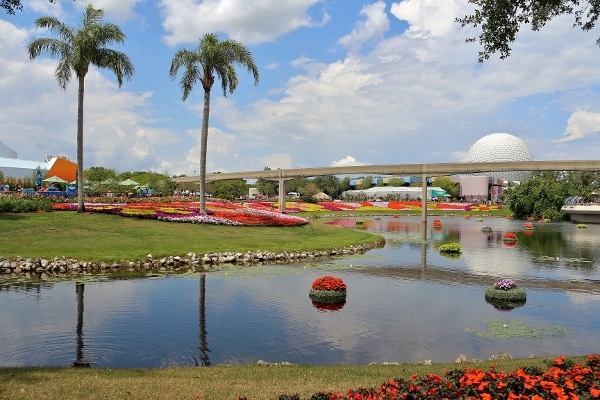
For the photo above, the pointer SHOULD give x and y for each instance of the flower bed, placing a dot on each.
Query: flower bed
(505, 291)
(486, 228)
(437, 223)
(328, 290)
(528, 225)
(217, 213)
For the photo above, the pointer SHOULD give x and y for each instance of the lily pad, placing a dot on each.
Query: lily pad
(517, 329)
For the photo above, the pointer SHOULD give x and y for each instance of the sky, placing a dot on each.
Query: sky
(341, 83)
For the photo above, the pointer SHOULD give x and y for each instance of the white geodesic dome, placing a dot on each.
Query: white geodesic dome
(498, 147)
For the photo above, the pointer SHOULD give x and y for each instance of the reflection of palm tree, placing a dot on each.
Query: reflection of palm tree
(79, 362)
(203, 344)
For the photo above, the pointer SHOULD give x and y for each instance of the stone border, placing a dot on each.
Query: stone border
(60, 266)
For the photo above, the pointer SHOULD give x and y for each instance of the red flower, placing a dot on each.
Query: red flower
(328, 283)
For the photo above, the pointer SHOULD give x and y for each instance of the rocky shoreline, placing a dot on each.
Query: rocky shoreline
(19, 267)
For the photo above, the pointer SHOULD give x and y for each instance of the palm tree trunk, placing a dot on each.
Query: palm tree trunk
(80, 188)
(203, 144)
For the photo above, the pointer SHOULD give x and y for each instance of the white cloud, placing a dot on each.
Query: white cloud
(242, 20)
(581, 124)
(376, 23)
(277, 161)
(349, 161)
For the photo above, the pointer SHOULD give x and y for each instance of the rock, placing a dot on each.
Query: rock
(461, 359)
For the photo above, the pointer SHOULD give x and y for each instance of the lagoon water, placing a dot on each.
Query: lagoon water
(405, 303)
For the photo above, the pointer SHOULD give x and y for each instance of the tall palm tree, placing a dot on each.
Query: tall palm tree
(75, 49)
(211, 57)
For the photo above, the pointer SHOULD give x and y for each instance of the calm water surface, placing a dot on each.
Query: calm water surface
(406, 303)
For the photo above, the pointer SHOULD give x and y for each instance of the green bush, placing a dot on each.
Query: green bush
(24, 204)
(450, 248)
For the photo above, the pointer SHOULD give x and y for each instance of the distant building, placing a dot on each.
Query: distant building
(13, 167)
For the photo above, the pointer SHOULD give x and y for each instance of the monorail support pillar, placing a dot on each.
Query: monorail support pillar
(424, 207)
(281, 192)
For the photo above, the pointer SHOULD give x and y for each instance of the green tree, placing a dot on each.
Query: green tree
(211, 57)
(95, 175)
(396, 182)
(10, 6)
(329, 184)
(230, 189)
(541, 196)
(447, 184)
(76, 49)
(501, 20)
(367, 182)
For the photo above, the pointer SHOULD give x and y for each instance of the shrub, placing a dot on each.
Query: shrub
(450, 248)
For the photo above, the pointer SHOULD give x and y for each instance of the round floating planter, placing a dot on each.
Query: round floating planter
(360, 222)
(581, 226)
(451, 250)
(509, 237)
(528, 226)
(486, 228)
(467, 216)
(437, 223)
(505, 294)
(328, 290)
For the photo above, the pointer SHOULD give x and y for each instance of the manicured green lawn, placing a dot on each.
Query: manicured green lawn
(103, 237)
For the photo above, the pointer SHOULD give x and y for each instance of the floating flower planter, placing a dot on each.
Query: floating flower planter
(451, 250)
(328, 290)
(509, 237)
(581, 226)
(505, 295)
(360, 222)
(437, 223)
(467, 216)
(486, 228)
(528, 225)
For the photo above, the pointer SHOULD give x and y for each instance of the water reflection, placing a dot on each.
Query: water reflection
(406, 303)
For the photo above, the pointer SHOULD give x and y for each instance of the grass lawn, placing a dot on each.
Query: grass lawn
(220, 382)
(103, 237)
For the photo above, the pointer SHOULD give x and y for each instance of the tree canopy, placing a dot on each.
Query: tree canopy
(501, 20)
(544, 194)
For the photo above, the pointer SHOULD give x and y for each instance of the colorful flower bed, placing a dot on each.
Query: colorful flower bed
(218, 213)
(265, 213)
(563, 380)
(528, 225)
(328, 289)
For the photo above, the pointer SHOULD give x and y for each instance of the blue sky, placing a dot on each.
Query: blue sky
(342, 83)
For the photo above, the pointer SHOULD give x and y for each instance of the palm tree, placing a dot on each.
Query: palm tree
(211, 57)
(76, 49)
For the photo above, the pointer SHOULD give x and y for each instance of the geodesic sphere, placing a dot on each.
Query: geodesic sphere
(498, 147)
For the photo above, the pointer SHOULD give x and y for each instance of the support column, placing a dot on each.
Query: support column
(281, 192)
(424, 207)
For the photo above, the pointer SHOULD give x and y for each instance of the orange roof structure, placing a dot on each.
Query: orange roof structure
(62, 168)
